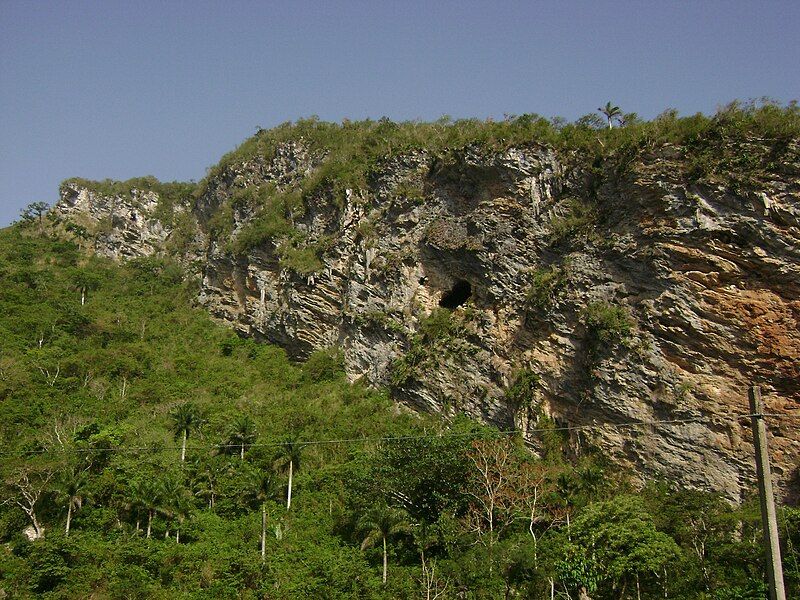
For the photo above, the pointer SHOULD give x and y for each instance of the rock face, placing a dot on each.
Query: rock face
(517, 285)
(124, 226)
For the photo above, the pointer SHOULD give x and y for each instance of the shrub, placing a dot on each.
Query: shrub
(607, 326)
(578, 219)
(546, 285)
(521, 393)
(324, 365)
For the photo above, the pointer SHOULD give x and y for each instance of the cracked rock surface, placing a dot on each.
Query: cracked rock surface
(708, 276)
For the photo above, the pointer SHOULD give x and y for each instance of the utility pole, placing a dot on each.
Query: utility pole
(768, 520)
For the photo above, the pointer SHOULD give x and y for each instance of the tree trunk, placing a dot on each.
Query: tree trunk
(83, 296)
(263, 532)
(242, 454)
(69, 518)
(289, 491)
(37, 528)
(569, 534)
(177, 536)
(385, 561)
(183, 446)
(638, 591)
(149, 522)
(138, 522)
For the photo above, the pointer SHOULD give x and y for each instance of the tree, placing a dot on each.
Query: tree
(136, 500)
(242, 433)
(27, 486)
(204, 478)
(610, 112)
(34, 212)
(379, 524)
(145, 494)
(612, 544)
(174, 503)
(185, 418)
(289, 458)
(493, 481)
(84, 280)
(79, 231)
(427, 476)
(71, 491)
(265, 489)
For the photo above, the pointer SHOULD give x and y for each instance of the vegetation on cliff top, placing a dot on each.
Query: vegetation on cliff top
(738, 145)
(107, 373)
(352, 148)
(348, 151)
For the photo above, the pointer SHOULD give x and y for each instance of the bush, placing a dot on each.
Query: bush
(578, 219)
(546, 285)
(324, 365)
(607, 325)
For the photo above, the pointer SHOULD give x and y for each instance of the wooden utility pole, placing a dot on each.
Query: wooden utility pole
(768, 519)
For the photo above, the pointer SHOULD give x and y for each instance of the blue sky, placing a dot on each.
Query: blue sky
(123, 89)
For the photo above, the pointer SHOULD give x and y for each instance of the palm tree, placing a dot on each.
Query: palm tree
(204, 476)
(242, 433)
(185, 418)
(137, 500)
(289, 458)
(71, 491)
(265, 489)
(145, 494)
(379, 524)
(611, 112)
(174, 504)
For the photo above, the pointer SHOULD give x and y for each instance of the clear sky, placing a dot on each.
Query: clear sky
(123, 89)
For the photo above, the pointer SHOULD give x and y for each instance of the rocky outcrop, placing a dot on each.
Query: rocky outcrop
(122, 226)
(517, 285)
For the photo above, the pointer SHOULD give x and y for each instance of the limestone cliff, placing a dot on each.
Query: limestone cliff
(511, 284)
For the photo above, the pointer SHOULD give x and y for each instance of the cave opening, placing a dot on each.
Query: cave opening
(457, 296)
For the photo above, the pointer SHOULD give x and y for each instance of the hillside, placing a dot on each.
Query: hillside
(643, 273)
(392, 360)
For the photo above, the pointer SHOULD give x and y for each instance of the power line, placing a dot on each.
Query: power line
(368, 440)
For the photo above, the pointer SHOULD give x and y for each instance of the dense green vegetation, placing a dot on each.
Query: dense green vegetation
(153, 453)
(158, 455)
(353, 148)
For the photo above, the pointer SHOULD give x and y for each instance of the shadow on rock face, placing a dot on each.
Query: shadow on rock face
(461, 292)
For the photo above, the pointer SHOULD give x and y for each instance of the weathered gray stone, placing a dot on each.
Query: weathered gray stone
(710, 277)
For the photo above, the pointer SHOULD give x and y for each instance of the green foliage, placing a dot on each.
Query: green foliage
(611, 113)
(440, 333)
(349, 152)
(273, 222)
(612, 544)
(546, 285)
(607, 326)
(34, 212)
(170, 194)
(522, 392)
(94, 396)
(324, 365)
(578, 219)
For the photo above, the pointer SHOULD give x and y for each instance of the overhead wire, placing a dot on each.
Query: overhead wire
(372, 440)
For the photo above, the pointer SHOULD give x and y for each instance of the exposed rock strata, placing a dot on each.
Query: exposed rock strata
(711, 278)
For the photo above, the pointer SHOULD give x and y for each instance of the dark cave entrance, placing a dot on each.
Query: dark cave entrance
(457, 296)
